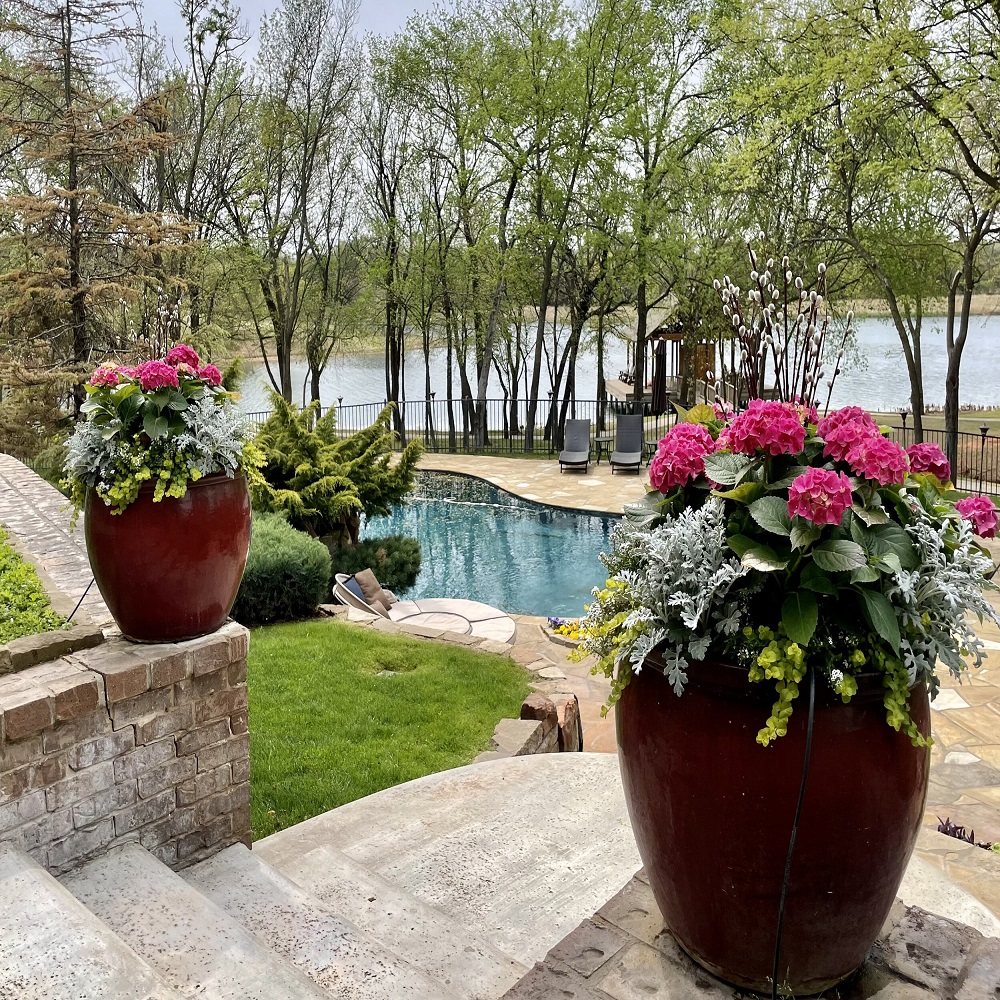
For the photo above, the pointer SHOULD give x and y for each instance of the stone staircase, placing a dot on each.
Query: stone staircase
(442, 889)
(234, 928)
(451, 887)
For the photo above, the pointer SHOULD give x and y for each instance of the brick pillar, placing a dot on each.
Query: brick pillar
(128, 742)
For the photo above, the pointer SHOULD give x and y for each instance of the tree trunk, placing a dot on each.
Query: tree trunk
(601, 386)
(536, 370)
(956, 345)
(450, 337)
(642, 318)
(78, 301)
(485, 362)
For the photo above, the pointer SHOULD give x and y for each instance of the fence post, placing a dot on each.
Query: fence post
(983, 430)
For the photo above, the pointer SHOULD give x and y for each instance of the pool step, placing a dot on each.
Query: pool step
(307, 932)
(467, 966)
(194, 945)
(53, 948)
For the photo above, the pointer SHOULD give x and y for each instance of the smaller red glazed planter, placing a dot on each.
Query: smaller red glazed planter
(170, 570)
(712, 811)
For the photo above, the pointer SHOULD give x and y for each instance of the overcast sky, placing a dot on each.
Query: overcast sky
(382, 16)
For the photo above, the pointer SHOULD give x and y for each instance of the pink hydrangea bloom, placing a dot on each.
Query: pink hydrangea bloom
(680, 456)
(105, 375)
(981, 512)
(844, 429)
(183, 354)
(843, 438)
(185, 369)
(845, 415)
(879, 459)
(210, 374)
(768, 426)
(156, 375)
(928, 457)
(820, 496)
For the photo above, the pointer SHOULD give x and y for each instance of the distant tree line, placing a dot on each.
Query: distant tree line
(512, 180)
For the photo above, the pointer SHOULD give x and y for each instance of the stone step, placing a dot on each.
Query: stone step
(517, 851)
(469, 967)
(307, 932)
(193, 944)
(53, 948)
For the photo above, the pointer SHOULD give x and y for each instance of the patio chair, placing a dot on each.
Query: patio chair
(576, 453)
(628, 443)
(347, 589)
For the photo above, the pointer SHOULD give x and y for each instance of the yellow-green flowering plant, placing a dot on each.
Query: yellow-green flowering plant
(166, 422)
(782, 540)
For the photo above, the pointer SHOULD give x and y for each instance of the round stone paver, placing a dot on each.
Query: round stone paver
(456, 614)
(439, 619)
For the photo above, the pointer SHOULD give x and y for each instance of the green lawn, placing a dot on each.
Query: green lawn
(338, 712)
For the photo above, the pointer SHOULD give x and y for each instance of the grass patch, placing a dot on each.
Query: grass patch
(24, 605)
(338, 712)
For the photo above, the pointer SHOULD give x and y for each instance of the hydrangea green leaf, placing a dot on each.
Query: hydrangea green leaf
(727, 470)
(771, 513)
(800, 616)
(880, 615)
(839, 555)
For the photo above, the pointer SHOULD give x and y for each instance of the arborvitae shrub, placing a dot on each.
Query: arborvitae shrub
(395, 560)
(287, 575)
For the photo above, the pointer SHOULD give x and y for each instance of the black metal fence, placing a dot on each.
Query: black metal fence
(443, 426)
(978, 466)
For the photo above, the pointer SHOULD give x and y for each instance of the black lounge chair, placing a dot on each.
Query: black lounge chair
(628, 444)
(576, 453)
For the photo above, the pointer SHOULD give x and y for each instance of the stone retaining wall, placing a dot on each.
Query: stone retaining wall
(128, 742)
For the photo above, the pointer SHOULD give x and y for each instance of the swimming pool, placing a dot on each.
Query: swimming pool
(479, 541)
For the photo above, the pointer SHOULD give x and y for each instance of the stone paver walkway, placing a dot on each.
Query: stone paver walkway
(37, 515)
(540, 480)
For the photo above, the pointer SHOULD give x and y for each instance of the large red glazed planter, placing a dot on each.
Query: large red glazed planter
(712, 811)
(170, 570)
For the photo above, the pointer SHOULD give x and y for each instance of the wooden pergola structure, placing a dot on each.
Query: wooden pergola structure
(684, 362)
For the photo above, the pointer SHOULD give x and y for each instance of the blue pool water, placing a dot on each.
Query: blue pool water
(483, 543)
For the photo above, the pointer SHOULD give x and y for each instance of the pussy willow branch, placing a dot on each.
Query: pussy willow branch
(796, 341)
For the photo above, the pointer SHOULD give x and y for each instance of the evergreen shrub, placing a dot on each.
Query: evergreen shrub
(395, 560)
(287, 574)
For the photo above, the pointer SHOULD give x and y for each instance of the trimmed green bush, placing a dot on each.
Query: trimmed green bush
(24, 605)
(287, 574)
(395, 560)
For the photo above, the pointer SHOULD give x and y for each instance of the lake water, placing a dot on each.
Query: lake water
(879, 383)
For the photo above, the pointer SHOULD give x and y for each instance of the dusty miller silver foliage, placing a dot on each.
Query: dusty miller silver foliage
(677, 578)
(935, 601)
